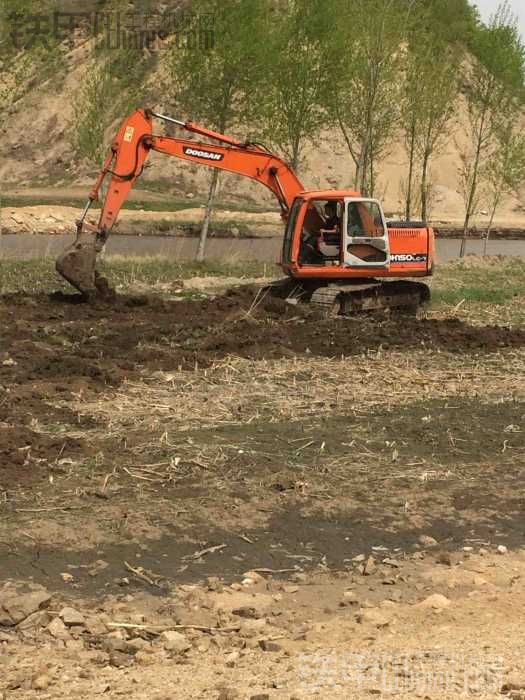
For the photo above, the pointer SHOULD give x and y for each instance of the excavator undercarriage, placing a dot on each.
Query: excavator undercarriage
(355, 297)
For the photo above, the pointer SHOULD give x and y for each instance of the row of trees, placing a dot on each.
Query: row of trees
(374, 70)
(282, 71)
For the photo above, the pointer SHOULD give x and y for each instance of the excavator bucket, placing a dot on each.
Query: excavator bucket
(77, 264)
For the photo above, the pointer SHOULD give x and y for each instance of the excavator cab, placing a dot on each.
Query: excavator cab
(347, 233)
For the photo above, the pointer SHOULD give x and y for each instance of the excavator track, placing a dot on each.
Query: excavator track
(346, 300)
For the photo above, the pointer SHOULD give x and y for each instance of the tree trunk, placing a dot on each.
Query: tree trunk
(372, 176)
(474, 183)
(411, 159)
(296, 146)
(490, 224)
(424, 186)
(207, 216)
(350, 150)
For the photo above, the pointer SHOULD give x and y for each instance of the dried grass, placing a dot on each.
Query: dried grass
(237, 390)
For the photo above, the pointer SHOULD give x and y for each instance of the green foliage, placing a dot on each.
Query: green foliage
(28, 50)
(90, 109)
(494, 86)
(368, 59)
(292, 88)
(450, 21)
(428, 105)
(212, 83)
(499, 283)
(111, 88)
(500, 52)
(504, 172)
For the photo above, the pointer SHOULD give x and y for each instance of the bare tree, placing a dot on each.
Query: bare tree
(493, 81)
(506, 166)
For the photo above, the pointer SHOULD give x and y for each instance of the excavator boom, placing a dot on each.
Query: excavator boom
(124, 164)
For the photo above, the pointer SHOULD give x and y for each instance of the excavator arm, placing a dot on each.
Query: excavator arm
(124, 164)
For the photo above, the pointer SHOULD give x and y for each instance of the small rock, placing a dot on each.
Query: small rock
(144, 658)
(248, 612)
(512, 684)
(58, 630)
(502, 549)
(268, 645)
(41, 682)
(290, 589)
(111, 644)
(260, 696)
(391, 562)
(444, 558)
(255, 576)
(67, 578)
(251, 628)
(427, 541)
(373, 616)
(95, 626)
(36, 620)
(174, 641)
(349, 598)
(359, 557)
(138, 644)
(70, 617)
(120, 660)
(369, 567)
(435, 601)
(15, 607)
(227, 693)
(232, 658)
(215, 584)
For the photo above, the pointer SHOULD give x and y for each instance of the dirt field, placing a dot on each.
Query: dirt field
(155, 451)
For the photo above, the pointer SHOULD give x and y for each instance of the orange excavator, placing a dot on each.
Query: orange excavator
(338, 250)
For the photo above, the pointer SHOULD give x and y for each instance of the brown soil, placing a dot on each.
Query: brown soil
(146, 431)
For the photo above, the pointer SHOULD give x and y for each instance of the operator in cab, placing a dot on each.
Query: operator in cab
(333, 220)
